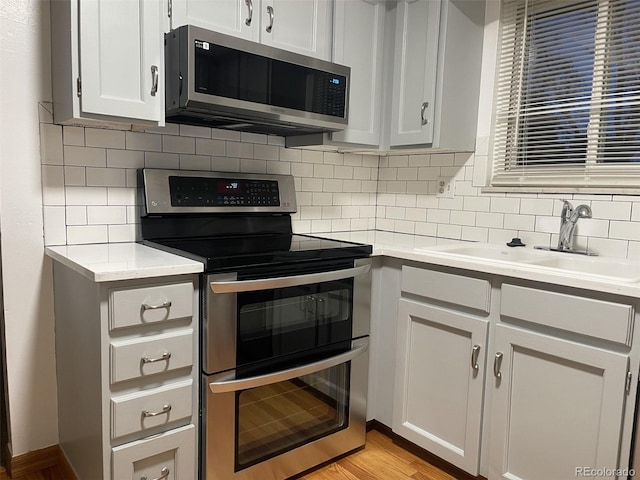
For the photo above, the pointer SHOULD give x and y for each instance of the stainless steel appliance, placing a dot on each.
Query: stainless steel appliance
(226, 82)
(284, 323)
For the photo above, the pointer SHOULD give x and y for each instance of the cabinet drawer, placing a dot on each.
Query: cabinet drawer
(447, 287)
(174, 451)
(142, 357)
(157, 303)
(587, 316)
(151, 408)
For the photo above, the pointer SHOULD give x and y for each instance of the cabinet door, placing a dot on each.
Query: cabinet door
(358, 43)
(239, 18)
(300, 26)
(122, 59)
(557, 406)
(414, 77)
(439, 382)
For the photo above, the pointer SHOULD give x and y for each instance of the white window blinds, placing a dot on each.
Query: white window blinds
(568, 94)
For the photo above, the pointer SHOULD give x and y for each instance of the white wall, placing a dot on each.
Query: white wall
(27, 286)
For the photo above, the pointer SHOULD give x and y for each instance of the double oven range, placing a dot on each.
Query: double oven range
(284, 322)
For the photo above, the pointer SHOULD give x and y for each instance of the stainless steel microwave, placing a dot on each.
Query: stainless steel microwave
(221, 81)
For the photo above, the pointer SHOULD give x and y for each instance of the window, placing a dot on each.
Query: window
(568, 95)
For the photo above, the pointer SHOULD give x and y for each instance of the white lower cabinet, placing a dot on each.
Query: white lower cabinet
(439, 381)
(126, 355)
(557, 406)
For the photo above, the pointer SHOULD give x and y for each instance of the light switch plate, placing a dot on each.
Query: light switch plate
(446, 187)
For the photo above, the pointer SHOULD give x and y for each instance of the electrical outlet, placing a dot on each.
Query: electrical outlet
(445, 187)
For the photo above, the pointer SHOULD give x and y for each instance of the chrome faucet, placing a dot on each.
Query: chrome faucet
(569, 219)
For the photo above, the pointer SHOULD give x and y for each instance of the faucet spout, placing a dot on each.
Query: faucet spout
(569, 219)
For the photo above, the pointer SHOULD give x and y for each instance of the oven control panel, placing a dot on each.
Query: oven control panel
(223, 192)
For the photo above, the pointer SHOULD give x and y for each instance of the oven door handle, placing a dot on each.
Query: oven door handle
(237, 286)
(224, 386)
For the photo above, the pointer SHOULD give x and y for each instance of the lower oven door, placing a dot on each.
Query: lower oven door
(276, 425)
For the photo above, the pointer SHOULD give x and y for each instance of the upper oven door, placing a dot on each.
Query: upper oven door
(256, 321)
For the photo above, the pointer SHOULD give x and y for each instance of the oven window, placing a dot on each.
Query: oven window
(281, 322)
(276, 418)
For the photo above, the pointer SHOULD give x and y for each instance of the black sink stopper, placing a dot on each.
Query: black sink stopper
(515, 242)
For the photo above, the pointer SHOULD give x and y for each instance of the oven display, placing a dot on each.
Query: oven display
(223, 192)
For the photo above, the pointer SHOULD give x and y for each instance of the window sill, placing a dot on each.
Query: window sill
(563, 190)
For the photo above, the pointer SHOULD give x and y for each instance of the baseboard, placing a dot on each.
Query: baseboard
(32, 462)
(420, 452)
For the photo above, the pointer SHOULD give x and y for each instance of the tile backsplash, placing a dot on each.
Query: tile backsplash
(89, 188)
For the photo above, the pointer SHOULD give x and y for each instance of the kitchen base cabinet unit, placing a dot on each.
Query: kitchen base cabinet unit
(557, 406)
(126, 356)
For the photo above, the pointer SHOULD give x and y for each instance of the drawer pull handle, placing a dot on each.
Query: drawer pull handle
(166, 304)
(474, 357)
(164, 472)
(164, 356)
(165, 409)
(497, 363)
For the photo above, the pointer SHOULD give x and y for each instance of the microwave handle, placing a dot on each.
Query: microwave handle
(237, 286)
(224, 386)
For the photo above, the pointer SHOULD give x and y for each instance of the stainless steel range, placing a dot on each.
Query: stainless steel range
(284, 323)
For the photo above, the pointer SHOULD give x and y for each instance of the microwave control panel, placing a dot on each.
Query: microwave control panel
(223, 192)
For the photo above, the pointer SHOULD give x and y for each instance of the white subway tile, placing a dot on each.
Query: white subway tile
(419, 160)
(427, 201)
(385, 224)
(52, 185)
(624, 230)
(355, 160)
(536, 206)
(148, 142)
(533, 239)
(608, 247)
(366, 185)
(463, 158)
(427, 229)
(463, 218)
(490, 220)
(51, 152)
(125, 158)
(266, 152)
(419, 187)
(76, 215)
(225, 164)
(240, 150)
(290, 154)
(343, 198)
(101, 215)
(101, 137)
(345, 172)
(86, 195)
(475, 234)
(633, 252)
(464, 188)
(87, 234)
(133, 214)
(311, 184)
(321, 198)
(406, 200)
(310, 212)
(611, 210)
(398, 186)
(547, 224)
(505, 205)
(409, 173)
(73, 136)
(302, 169)
(278, 167)
(122, 233)
(438, 216)
(276, 140)
(477, 204)
(85, 156)
(312, 156)
(332, 185)
(55, 230)
(450, 231)
(416, 214)
(253, 138)
(428, 173)
(106, 177)
(454, 203)
(45, 112)
(341, 225)
(405, 226)
(592, 228)
(361, 224)
(175, 144)
(320, 225)
(332, 158)
(195, 131)
(205, 146)
(396, 213)
(121, 196)
(442, 160)
(248, 165)
(370, 161)
(323, 171)
(519, 222)
(195, 162)
(132, 177)
(388, 174)
(161, 160)
(500, 236)
(168, 129)
(398, 161)
(362, 173)
(330, 212)
(225, 134)
(350, 211)
(75, 176)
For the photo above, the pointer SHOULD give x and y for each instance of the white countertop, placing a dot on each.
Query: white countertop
(107, 262)
(122, 261)
(425, 249)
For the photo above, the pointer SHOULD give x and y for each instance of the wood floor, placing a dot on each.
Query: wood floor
(381, 459)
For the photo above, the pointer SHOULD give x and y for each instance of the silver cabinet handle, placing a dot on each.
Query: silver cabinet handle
(497, 362)
(474, 357)
(164, 356)
(282, 282)
(225, 382)
(154, 81)
(165, 409)
(424, 107)
(249, 4)
(166, 304)
(270, 12)
(165, 474)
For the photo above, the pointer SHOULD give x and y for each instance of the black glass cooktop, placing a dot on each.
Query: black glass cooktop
(235, 252)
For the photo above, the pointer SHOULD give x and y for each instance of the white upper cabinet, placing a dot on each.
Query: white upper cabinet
(436, 82)
(231, 17)
(300, 26)
(108, 61)
(358, 43)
